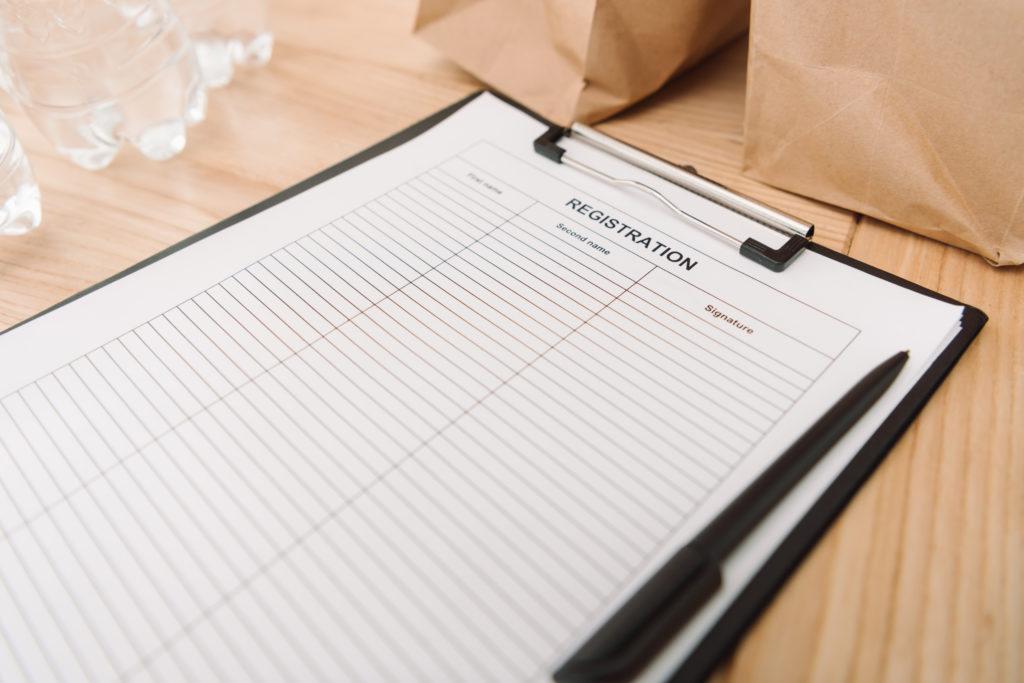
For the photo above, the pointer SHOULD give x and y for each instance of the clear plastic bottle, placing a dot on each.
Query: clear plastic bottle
(93, 74)
(19, 192)
(227, 34)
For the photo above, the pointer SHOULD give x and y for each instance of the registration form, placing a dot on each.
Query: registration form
(433, 418)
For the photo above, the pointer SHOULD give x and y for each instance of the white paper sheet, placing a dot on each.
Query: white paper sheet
(435, 418)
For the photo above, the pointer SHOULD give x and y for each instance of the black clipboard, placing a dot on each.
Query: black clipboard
(719, 641)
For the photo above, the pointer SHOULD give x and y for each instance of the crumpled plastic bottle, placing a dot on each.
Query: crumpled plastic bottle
(95, 74)
(227, 34)
(20, 210)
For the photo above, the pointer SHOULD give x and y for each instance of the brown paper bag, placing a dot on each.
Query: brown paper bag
(579, 60)
(911, 112)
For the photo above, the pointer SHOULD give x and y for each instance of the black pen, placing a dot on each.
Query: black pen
(637, 631)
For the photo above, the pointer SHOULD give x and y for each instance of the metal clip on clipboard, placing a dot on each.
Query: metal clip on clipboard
(798, 231)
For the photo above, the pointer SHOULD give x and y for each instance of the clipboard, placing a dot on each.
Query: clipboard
(722, 637)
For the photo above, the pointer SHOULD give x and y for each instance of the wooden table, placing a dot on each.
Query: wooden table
(922, 578)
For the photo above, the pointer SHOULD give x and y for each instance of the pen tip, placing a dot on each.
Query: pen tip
(899, 359)
(895, 362)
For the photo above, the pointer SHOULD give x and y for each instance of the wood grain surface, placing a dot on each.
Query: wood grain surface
(921, 578)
